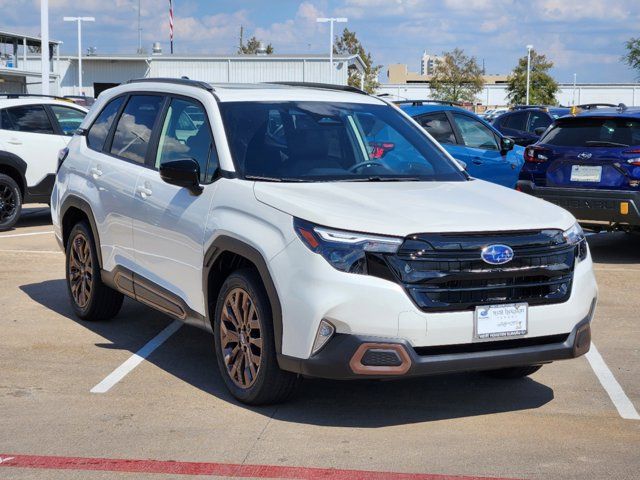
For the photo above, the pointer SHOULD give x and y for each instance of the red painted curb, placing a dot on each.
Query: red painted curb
(215, 469)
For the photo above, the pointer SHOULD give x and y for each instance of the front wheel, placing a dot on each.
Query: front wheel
(10, 202)
(513, 372)
(244, 342)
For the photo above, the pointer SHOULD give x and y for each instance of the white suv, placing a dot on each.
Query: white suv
(316, 230)
(32, 131)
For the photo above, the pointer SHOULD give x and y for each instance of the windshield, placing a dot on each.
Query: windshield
(594, 132)
(319, 141)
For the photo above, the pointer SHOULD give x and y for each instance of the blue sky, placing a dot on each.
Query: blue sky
(586, 37)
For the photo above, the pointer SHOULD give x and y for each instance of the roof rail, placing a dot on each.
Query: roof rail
(525, 107)
(175, 81)
(323, 86)
(33, 95)
(590, 106)
(419, 103)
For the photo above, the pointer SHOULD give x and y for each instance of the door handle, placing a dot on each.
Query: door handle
(144, 191)
(95, 172)
(477, 161)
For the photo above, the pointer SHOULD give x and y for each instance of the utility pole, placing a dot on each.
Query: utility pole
(79, 20)
(331, 20)
(139, 30)
(44, 45)
(241, 46)
(529, 47)
(573, 94)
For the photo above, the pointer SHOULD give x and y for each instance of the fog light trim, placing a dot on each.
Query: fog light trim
(361, 369)
(323, 335)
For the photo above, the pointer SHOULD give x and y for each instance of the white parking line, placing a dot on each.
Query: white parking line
(13, 235)
(610, 384)
(137, 358)
(56, 252)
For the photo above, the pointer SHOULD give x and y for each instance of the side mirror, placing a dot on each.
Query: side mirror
(462, 164)
(540, 130)
(506, 144)
(182, 173)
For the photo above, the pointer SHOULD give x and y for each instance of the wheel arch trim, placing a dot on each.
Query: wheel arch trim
(73, 201)
(19, 165)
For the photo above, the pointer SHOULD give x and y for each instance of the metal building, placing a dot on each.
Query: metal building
(105, 71)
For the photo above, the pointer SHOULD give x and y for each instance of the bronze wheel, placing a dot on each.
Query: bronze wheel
(241, 338)
(80, 270)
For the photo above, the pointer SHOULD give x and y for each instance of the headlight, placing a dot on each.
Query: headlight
(575, 236)
(345, 251)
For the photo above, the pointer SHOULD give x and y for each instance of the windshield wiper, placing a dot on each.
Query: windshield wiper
(602, 143)
(272, 179)
(377, 178)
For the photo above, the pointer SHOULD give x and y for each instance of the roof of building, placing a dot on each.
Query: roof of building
(32, 41)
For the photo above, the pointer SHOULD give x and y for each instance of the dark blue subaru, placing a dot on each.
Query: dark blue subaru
(589, 163)
(487, 154)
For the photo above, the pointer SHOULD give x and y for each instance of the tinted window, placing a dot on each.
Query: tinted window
(538, 120)
(320, 141)
(69, 119)
(594, 132)
(474, 133)
(439, 127)
(133, 131)
(100, 128)
(27, 118)
(186, 134)
(515, 121)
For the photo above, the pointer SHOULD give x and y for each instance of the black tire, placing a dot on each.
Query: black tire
(100, 301)
(513, 372)
(10, 202)
(269, 384)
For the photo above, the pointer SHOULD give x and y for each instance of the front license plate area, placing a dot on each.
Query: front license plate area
(586, 173)
(500, 321)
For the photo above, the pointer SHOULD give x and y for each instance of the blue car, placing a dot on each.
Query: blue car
(525, 124)
(488, 154)
(589, 163)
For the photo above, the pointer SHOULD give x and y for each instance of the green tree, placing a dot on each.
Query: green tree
(252, 46)
(542, 86)
(456, 78)
(632, 57)
(349, 44)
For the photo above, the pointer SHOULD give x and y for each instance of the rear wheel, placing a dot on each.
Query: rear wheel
(10, 202)
(513, 372)
(244, 342)
(90, 298)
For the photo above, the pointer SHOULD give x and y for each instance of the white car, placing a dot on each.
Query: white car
(315, 230)
(33, 130)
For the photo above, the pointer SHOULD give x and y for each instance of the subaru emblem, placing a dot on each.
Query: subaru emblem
(584, 156)
(497, 254)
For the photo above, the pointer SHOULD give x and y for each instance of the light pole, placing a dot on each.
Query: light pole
(44, 45)
(331, 20)
(529, 47)
(573, 95)
(79, 20)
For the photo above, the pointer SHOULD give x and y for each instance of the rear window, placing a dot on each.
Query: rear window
(515, 121)
(27, 118)
(100, 128)
(594, 132)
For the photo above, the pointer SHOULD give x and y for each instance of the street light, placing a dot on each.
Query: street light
(331, 20)
(79, 20)
(529, 47)
(44, 45)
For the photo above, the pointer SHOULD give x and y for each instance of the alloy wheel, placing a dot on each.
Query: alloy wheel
(80, 270)
(241, 338)
(7, 202)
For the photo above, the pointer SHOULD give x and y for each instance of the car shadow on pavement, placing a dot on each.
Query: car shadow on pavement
(34, 217)
(189, 356)
(615, 248)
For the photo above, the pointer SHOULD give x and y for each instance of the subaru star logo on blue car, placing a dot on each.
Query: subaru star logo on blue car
(497, 254)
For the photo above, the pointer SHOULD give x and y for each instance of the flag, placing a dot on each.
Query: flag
(171, 24)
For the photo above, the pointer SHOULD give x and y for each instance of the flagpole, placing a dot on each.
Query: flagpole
(171, 24)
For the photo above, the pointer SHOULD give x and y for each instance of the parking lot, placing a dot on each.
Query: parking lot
(172, 415)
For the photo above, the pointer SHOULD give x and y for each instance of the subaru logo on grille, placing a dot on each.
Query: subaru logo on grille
(584, 156)
(497, 254)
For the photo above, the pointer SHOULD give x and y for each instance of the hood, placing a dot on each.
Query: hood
(403, 208)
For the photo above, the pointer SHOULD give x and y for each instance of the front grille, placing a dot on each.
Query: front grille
(446, 272)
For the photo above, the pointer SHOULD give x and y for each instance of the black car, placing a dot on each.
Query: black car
(525, 124)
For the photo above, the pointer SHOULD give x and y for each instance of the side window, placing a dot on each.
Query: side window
(27, 118)
(100, 129)
(537, 120)
(186, 134)
(515, 121)
(474, 133)
(69, 119)
(133, 131)
(439, 127)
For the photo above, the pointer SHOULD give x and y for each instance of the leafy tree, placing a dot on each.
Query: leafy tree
(349, 44)
(632, 57)
(456, 77)
(542, 86)
(252, 46)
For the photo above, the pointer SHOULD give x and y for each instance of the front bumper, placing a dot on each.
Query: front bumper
(614, 206)
(342, 359)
